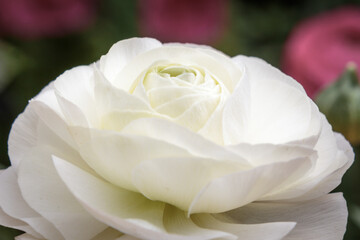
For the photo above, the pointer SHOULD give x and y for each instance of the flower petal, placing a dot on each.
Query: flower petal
(240, 188)
(335, 156)
(268, 231)
(323, 218)
(77, 86)
(178, 180)
(192, 142)
(14, 205)
(122, 52)
(108, 234)
(8, 221)
(44, 191)
(285, 114)
(26, 236)
(128, 76)
(114, 155)
(130, 212)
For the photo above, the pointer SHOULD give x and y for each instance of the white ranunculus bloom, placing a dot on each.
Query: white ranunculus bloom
(174, 142)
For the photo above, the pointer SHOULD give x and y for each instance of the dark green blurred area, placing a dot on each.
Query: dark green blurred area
(256, 28)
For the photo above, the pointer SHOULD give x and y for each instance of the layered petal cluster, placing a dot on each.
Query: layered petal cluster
(174, 142)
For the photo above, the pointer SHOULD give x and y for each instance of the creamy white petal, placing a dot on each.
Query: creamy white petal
(268, 231)
(127, 78)
(108, 234)
(323, 218)
(114, 155)
(117, 120)
(235, 70)
(22, 135)
(7, 221)
(280, 112)
(129, 212)
(14, 205)
(333, 179)
(128, 237)
(55, 122)
(194, 143)
(240, 188)
(334, 157)
(197, 115)
(236, 113)
(44, 191)
(77, 86)
(260, 154)
(178, 222)
(26, 236)
(108, 98)
(266, 70)
(122, 53)
(177, 181)
(74, 115)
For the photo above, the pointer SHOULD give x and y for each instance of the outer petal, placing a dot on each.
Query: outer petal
(7, 221)
(284, 116)
(192, 142)
(77, 86)
(240, 188)
(26, 236)
(177, 181)
(123, 52)
(44, 191)
(268, 231)
(323, 218)
(114, 155)
(334, 157)
(15, 207)
(127, 211)
(108, 234)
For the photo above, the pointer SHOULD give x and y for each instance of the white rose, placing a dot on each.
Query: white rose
(175, 142)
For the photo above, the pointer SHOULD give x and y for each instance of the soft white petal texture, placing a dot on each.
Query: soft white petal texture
(7, 221)
(177, 181)
(20, 209)
(240, 188)
(335, 156)
(122, 53)
(185, 139)
(26, 236)
(108, 234)
(119, 153)
(333, 178)
(37, 179)
(77, 86)
(22, 135)
(129, 75)
(268, 231)
(323, 218)
(129, 212)
(260, 154)
(280, 110)
(109, 98)
(128, 237)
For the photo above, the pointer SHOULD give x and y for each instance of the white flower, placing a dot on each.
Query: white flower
(173, 142)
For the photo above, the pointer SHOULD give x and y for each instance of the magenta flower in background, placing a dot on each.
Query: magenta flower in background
(319, 48)
(45, 18)
(201, 21)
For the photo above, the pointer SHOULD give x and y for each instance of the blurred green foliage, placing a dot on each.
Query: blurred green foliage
(256, 28)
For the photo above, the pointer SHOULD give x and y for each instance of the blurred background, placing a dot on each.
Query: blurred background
(315, 41)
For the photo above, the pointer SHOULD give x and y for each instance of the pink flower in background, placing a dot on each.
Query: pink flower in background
(319, 48)
(201, 21)
(44, 18)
